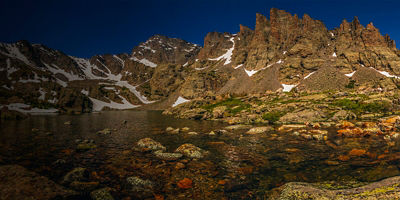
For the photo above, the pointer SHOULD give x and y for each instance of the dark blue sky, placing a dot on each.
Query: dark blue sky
(84, 28)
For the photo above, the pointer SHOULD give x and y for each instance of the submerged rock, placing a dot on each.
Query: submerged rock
(86, 145)
(257, 130)
(101, 194)
(191, 151)
(105, 131)
(20, 183)
(169, 129)
(150, 144)
(77, 174)
(140, 188)
(237, 127)
(167, 156)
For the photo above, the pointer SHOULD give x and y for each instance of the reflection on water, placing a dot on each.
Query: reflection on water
(255, 163)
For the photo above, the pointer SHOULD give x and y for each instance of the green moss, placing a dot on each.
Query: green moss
(273, 116)
(381, 190)
(358, 107)
(233, 105)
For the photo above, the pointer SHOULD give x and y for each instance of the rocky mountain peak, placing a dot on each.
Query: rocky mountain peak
(160, 49)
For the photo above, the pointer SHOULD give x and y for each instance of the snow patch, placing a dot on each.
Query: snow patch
(14, 52)
(238, 66)
(387, 74)
(180, 100)
(288, 88)
(251, 72)
(42, 94)
(350, 74)
(334, 54)
(25, 108)
(144, 61)
(120, 60)
(99, 105)
(85, 92)
(186, 64)
(309, 75)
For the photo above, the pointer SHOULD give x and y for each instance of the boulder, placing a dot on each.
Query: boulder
(141, 188)
(385, 189)
(302, 116)
(150, 144)
(343, 115)
(167, 156)
(20, 183)
(257, 130)
(190, 151)
(101, 194)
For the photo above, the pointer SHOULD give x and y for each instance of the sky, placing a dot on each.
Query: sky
(85, 28)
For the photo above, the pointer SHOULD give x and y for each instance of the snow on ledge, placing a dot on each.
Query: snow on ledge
(309, 75)
(228, 55)
(25, 108)
(180, 100)
(238, 66)
(288, 88)
(251, 72)
(350, 74)
(99, 105)
(144, 61)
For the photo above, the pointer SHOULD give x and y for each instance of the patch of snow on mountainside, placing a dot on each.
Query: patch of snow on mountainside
(87, 69)
(350, 74)
(228, 55)
(42, 94)
(387, 74)
(237, 67)
(14, 52)
(288, 88)
(309, 75)
(120, 60)
(25, 108)
(180, 100)
(144, 61)
(250, 72)
(99, 105)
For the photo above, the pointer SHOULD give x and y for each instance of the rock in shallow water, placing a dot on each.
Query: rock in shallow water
(77, 174)
(167, 156)
(101, 194)
(385, 189)
(191, 151)
(150, 144)
(257, 130)
(20, 183)
(140, 188)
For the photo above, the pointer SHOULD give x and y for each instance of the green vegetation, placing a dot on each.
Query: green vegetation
(233, 105)
(351, 84)
(273, 116)
(359, 107)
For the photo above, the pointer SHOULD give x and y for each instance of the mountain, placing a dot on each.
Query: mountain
(283, 53)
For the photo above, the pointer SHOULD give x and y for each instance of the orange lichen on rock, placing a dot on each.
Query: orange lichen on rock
(357, 152)
(392, 120)
(346, 124)
(185, 183)
(344, 158)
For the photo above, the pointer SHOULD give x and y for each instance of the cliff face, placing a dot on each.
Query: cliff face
(284, 52)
